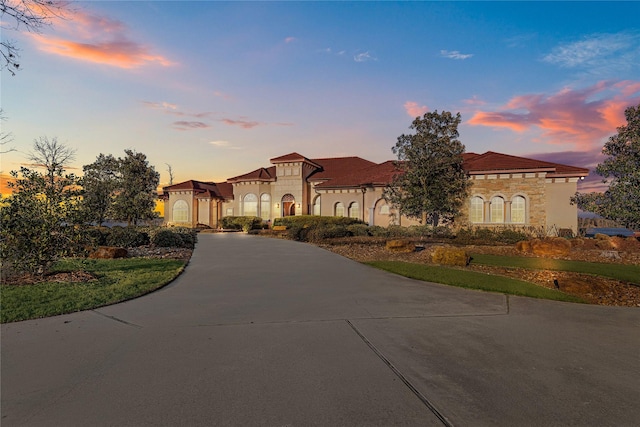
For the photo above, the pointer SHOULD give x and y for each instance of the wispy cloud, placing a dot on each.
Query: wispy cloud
(160, 105)
(174, 110)
(98, 39)
(599, 53)
(414, 110)
(223, 144)
(245, 124)
(186, 125)
(581, 117)
(289, 39)
(364, 57)
(454, 54)
(474, 100)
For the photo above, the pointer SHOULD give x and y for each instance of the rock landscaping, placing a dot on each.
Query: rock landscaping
(593, 289)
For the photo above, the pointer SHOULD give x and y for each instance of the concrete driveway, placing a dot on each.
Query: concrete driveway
(276, 333)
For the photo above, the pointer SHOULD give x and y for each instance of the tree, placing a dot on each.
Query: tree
(170, 172)
(5, 137)
(51, 155)
(31, 15)
(36, 220)
(100, 182)
(136, 197)
(621, 202)
(430, 184)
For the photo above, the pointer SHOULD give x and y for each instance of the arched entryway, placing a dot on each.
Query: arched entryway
(288, 205)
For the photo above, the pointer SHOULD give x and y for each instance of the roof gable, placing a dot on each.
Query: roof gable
(261, 174)
(221, 190)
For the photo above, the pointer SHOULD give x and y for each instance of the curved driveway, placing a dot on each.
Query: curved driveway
(276, 333)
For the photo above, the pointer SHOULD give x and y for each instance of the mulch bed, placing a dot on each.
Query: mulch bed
(593, 289)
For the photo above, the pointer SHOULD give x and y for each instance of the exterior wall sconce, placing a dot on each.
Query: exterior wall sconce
(298, 205)
(277, 205)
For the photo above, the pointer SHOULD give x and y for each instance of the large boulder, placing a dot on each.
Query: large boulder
(549, 247)
(399, 245)
(108, 252)
(450, 256)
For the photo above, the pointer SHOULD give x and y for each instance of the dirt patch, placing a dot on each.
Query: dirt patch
(67, 277)
(593, 289)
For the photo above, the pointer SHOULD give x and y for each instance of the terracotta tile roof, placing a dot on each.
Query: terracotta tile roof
(374, 175)
(334, 167)
(221, 190)
(498, 162)
(262, 174)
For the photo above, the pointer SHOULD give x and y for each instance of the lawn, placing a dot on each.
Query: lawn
(471, 280)
(116, 280)
(622, 272)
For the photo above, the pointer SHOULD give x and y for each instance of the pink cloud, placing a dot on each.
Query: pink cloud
(414, 110)
(289, 39)
(98, 39)
(186, 125)
(580, 117)
(242, 123)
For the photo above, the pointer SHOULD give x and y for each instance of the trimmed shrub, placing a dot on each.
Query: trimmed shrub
(178, 237)
(358, 229)
(313, 220)
(127, 237)
(167, 239)
(244, 223)
(330, 231)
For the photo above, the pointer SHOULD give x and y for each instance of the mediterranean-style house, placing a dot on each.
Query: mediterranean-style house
(506, 190)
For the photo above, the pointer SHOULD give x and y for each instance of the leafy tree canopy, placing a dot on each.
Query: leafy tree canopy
(36, 220)
(136, 197)
(431, 183)
(621, 169)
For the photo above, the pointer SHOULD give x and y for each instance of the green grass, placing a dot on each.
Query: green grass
(623, 272)
(471, 280)
(118, 280)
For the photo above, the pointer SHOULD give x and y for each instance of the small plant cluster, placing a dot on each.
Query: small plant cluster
(478, 235)
(313, 228)
(244, 223)
(132, 237)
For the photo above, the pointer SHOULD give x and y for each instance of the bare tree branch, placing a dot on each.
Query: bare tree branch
(5, 137)
(30, 15)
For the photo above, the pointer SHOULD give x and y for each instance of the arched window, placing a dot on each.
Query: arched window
(497, 209)
(476, 211)
(518, 211)
(339, 209)
(316, 205)
(265, 206)
(180, 211)
(354, 210)
(384, 210)
(250, 205)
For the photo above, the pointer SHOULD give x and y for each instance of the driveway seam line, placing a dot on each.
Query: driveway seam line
(117, 320)
(399, 374)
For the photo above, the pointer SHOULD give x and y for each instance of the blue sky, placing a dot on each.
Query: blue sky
(216, 89)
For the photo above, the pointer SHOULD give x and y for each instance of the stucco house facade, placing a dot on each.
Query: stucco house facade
(506, 190)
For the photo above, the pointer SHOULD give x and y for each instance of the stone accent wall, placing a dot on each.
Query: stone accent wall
(529, 185)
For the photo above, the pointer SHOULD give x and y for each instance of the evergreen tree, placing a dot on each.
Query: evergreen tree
(621, 202)
(430, 184)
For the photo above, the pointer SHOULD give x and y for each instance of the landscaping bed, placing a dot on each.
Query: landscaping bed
(593, 289)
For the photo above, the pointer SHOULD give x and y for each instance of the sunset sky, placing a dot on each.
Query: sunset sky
(216, 89)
